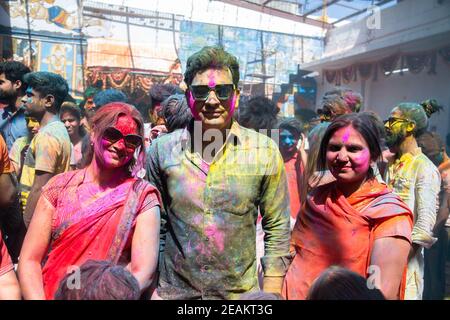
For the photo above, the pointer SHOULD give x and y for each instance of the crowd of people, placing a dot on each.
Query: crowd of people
(204, 194)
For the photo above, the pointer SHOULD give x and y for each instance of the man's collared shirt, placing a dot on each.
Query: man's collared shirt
(211, 211)
(12, 125)
(416, 180)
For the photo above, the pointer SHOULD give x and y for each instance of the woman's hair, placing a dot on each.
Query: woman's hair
(107, 117)
(74, 110)
(314, 138)
(337, 283)
(99, 280)
(363, 123)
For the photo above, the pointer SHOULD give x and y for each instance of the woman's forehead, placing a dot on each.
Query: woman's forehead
(126, 125)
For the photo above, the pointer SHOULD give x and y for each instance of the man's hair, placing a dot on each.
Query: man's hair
(46, 83)
(160, 92)
(292, 125)
(337, 283)
(340, 101)
(176, 112)
(211, 57)
(258, 113)
(109, 95)
(100, 280)
(14, 71)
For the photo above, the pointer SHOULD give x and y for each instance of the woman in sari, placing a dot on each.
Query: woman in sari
(355, 222)
(102, 212)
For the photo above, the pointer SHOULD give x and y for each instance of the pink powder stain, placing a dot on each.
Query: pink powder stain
(362, 163)
(232, 107)
(197, 220)
(192, 107)
(214, 234)
(126, 125)
(346, 135)
(212, 79)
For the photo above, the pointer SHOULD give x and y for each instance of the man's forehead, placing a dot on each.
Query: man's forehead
(212, 72)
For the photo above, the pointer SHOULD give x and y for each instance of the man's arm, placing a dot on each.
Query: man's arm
(427, 203)
(8, 190)
(275, 211)
(40, 179)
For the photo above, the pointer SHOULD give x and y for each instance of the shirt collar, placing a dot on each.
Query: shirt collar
(410, 155)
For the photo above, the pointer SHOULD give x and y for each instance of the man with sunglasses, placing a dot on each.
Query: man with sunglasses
(49, 150)
(214, 176)
(417, 181)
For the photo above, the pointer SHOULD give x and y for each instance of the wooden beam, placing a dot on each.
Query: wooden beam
(278, 13)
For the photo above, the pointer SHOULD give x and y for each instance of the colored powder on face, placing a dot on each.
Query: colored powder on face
(192, 107)
(363, 161)
(126, 125)
(232, 107)
(346, 135)
(212, 79)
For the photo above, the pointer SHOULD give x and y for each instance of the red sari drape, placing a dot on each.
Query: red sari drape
(334, 230)
(100, 231)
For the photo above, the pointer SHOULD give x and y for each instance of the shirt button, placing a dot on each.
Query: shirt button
(206, 239)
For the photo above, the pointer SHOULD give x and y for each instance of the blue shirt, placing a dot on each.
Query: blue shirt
(12, 126)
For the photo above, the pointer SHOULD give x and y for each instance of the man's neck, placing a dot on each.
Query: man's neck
(407, 146)
(46, 119)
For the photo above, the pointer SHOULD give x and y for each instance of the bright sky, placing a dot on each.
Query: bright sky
(220, 13)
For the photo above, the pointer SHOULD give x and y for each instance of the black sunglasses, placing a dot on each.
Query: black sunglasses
(132, 141)
(223, 91)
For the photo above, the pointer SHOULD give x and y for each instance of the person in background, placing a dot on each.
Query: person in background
(435, 257)
(9, 286)
(100, 280)
(49, 150)
(337, 283)
(354, 221)
(339, 101)
(176, 112)
(12, 89)
(104, 97)
(70, 116)
(290, 134)
(258, 113)
(417, 181)
(153, 117)
(20, 146)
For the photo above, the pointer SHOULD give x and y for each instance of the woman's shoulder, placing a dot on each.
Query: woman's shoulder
(65, 179)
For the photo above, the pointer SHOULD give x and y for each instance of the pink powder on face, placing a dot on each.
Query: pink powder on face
(346, 135)
(126, 125)
(192, 107)
(362, 163)
(212, 79)
(232, 107)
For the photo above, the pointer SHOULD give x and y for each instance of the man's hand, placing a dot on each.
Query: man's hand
(273, 284)
(414, 248)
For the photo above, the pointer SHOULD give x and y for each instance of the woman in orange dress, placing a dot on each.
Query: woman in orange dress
(355, 222)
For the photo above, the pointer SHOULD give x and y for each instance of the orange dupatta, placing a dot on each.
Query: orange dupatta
(334, 230)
